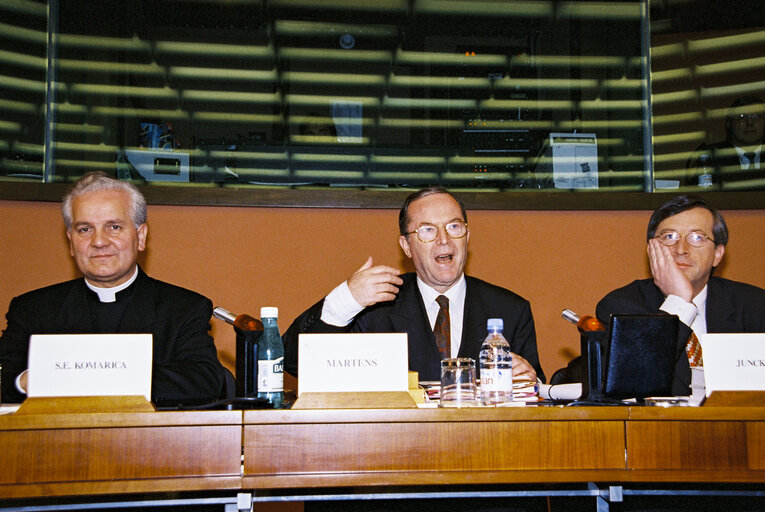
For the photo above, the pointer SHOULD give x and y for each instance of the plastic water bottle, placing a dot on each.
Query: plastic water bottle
(271, 359)
(496, 363)
(705, 171)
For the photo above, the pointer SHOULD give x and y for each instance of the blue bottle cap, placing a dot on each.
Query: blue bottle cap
(495, 324)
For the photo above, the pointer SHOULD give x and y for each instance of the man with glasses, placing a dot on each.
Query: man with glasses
(686, 241)
(739, 157)
(442, 310)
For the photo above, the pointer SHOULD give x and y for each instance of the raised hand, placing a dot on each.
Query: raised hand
(667, 275)
(372, 284)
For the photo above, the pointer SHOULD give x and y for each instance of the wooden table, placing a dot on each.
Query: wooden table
(284, 453)
(504, 445)
(111, 453)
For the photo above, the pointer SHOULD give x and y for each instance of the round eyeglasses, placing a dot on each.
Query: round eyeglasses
(747, 117)
(694, 238)
(429, 232)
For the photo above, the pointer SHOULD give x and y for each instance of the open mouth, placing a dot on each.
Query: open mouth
(444, 258)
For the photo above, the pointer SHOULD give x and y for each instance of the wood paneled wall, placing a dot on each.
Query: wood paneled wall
(245, 258)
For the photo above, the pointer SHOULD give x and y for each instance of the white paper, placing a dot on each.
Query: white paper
(353, 362)
(572, 391)
(575, 160)
(347, 116)
(733, 362)
(90, 365)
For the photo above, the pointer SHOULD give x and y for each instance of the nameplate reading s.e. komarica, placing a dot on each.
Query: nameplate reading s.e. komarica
(734, 361)
(90, 365)
(347, 362)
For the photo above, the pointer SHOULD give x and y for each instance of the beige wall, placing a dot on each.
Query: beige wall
(245, 258)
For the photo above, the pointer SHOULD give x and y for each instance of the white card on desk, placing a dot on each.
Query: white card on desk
(90, 365)
(734, 362)
(353, 362)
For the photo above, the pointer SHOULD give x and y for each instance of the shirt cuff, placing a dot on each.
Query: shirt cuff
(686, 311)
(340, 307)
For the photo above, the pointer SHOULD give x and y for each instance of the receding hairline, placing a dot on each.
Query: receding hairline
(404, 217)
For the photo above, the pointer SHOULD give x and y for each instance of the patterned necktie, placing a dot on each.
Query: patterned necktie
(442, 329)
(693, 350)
(750, 157)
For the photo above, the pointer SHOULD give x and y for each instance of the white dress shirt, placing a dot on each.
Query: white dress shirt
(693, 314)
(456, 296)
(340, 308)
(745, 163)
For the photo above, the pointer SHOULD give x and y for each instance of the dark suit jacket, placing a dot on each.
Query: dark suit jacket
(185, 362)
(406, 313)
(731, 307)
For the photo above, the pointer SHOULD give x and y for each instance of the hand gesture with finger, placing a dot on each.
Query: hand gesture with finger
(372, 284)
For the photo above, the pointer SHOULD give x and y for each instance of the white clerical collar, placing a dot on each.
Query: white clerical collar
(110, 294)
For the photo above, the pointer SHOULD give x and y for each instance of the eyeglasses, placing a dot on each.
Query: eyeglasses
(747, 117)
(694, 238)
(429, 232)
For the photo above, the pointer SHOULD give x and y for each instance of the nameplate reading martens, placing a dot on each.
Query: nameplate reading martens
(352, 362)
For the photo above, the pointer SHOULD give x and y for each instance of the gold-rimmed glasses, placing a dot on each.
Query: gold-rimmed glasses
(429, 232)
(694, 238)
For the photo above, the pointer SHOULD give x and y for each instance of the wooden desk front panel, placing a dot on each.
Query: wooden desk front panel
(697, 444)
(59, 456)
(755, 436)
(688, 445)
(720, 451)
(424, 449)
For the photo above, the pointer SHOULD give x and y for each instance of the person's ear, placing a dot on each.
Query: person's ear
(143, 232)
(403, 241)
(719, 251)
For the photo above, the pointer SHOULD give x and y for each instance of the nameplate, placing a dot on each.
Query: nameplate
(90, 365)
(734, 362)
(360, 362)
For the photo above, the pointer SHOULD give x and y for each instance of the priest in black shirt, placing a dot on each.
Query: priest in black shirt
(106, 226)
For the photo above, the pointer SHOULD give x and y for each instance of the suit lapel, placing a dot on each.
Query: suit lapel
(410, 316)
(720, 314)
(654, 298)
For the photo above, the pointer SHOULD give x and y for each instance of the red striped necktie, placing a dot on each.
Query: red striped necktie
(442, 328)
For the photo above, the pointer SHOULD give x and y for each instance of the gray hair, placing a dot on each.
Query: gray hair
(99, 181)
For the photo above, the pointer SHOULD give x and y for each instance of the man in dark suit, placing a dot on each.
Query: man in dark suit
(106, 226)
(686, 241)
(434, 234)
(737, 161)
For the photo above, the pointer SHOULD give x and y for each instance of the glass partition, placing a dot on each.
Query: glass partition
(477, 95)
(708, 78)
(379, 93)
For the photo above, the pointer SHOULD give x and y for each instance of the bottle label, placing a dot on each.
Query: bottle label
(495, 380)
(705, 180)
(270, 375)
